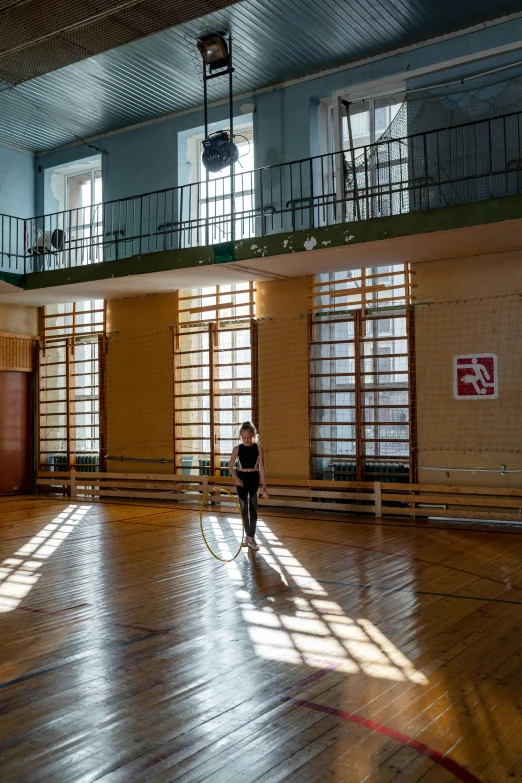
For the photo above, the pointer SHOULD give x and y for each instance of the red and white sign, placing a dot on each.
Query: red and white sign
(475, 377)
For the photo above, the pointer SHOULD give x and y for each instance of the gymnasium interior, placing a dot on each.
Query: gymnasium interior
(306, 215)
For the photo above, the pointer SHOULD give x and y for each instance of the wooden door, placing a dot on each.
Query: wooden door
(16, 435)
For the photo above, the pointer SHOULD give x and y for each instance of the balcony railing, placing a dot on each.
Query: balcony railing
(461, 164)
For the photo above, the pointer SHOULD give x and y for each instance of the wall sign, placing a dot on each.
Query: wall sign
(475, 377)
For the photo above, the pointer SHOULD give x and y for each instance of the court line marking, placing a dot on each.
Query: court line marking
(160, 632)
(444, 761)
(398, 554)
(103, 522)
(428, 524)
(422, 592)
(384, 588)
(460, 772)
(169, 753)
(164, 631)
(86, 654)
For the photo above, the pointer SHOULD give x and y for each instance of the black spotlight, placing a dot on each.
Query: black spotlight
(219, 151)
(214, 51)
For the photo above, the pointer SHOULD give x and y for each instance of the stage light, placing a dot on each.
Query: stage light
(214, 51)
(219, 151)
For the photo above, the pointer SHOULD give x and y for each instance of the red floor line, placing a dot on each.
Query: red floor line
(296, 686)
(461, 773)
(132, 519)
(300, 684)
(33, 610)
(139, 628)
(417, 559)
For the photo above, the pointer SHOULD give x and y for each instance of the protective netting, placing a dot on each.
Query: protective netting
(467, 365)
(137, 397)
(363, 393)
(442, 148)
(283, 391)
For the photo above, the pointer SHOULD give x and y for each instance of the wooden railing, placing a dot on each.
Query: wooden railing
(376, 498)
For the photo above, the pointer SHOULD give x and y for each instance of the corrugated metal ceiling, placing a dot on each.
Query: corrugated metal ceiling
(275, 40)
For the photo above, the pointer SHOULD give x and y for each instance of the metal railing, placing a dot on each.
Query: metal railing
(12, 244)
(461, 164)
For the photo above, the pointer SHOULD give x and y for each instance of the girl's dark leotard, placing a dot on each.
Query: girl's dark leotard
(248, 457)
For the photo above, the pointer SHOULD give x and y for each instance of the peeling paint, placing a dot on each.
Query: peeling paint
(337, 236)
(310, 243)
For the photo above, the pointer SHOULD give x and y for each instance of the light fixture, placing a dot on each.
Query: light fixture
(214, 51)
(219, 151)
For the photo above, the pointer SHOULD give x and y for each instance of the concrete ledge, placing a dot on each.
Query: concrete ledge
(134, 265)
(303, 241)
(376, 229)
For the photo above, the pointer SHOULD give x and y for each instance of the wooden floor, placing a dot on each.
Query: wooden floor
(342, 651)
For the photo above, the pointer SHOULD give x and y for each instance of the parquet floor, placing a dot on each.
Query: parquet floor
(342, 651)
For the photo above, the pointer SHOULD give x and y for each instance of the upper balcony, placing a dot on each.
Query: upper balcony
(395, 187)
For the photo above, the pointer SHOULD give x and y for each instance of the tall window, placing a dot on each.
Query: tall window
(376, 174)
(205, 209)
(84, 218)
(369, 120)
(69, 385)
(216, 204)
(215, 369)
(360, 388)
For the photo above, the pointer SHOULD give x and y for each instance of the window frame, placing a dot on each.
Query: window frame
(80, 327)
(94, 228)
(369, 387)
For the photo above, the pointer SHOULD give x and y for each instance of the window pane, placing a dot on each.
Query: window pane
(79, 191)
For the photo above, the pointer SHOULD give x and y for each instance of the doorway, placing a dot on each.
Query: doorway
(16, 436)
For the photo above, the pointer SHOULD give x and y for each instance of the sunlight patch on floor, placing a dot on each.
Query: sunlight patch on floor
(19, 573)
(314, 629)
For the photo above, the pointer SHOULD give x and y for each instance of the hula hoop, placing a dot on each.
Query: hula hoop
(221, 559)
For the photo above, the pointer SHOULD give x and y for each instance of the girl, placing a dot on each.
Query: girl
(251, 467)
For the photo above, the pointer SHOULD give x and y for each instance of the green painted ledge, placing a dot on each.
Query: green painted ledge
(13, 278)
(412, 223)
(163, 261)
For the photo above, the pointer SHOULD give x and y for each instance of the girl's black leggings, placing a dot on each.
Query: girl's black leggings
(247, 495)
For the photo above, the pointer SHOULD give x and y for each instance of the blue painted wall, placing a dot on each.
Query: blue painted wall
(17, 187)
(285, 121)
